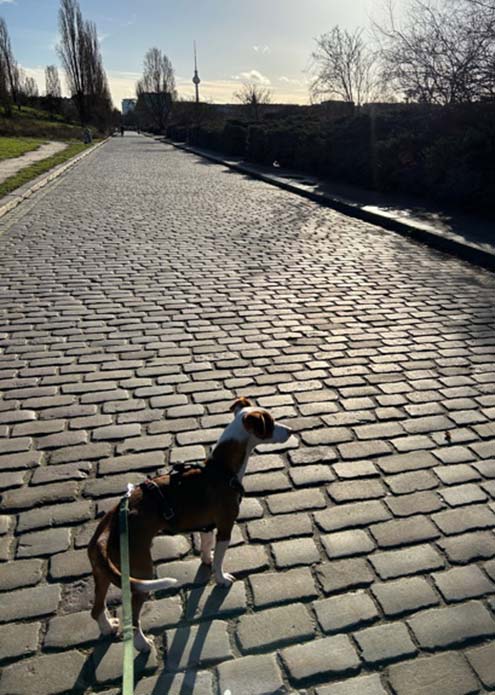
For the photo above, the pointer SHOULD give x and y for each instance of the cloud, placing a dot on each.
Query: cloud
(291, 80)
(261, 49)
(5, 2)
(253, 76)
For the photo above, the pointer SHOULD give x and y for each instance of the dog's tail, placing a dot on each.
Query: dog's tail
(141, 585)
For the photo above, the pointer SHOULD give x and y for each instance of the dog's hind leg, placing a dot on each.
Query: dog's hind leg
(107, 625)
(141, 643)
(207, 543)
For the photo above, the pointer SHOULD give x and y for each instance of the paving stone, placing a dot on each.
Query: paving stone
(82, 452)
(365, 685)
(246, 558)
(351, 515)
(62, 439)
(301, 500)
(327, 657)
(274, 627)
(43, 543)
(455, 474)
(343, 575)
(205, 644)
(71, 630)
(169, 548)
(30, 603)
(345, 612)
(186, 454)
(293, 585)
(187, 572)
(314, 454)
(482, 660)
(44, 675)
(355, 469)
(404, 531)
(161, 613)
(72, 563)
(55, 515)
(301, 551)
(446, 627)
(468, 547)
(132, 462)
(399, 563)
(275, 528)
(385, 643)
(463, 519)
(266, 482)
(404, 595)
(112, 485)
(13, 479)
(5, 523)
(251, 675)
(346, 543)
(250, 509)
(349, 491)
(19, 639)
(454, 454)
(413, 481)
(461, 583)
(415, 503)
(30, 497)
(109, 667)
(400, 463)
(463, 494)
(443, 674)
(311, 475)
(56, 474)
(23, 461)
(197, 682)
(216, 602)
(145, 443)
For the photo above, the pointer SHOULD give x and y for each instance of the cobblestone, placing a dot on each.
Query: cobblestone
(123, 341)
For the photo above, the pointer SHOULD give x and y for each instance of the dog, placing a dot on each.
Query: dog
(200, 497)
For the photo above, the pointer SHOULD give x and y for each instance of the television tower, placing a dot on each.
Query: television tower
(195, 78)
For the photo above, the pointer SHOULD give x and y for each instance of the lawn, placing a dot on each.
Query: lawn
(14, 147)
(40, 167)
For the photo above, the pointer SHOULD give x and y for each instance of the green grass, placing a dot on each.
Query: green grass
(14, 147)
(34, 123)
(40, 167)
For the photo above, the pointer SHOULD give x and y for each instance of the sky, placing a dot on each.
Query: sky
(265, 41)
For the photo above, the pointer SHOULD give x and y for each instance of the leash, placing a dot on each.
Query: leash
(128, 662)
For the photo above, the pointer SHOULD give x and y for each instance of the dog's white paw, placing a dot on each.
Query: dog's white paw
(225, 579)
(108, 626)
(207, 558)
(142, 643)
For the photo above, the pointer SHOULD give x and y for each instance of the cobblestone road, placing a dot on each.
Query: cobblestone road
(138, 296)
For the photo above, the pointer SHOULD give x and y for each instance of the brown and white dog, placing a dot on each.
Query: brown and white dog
(196, 499)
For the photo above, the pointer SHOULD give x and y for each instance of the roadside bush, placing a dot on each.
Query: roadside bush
(234, 138)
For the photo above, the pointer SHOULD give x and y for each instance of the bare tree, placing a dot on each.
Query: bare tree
(80, 54)
(253, 95)
(29, 87)
(52, 82)
(156, 90)
(442, 52)
(343, 67)
(8, 62)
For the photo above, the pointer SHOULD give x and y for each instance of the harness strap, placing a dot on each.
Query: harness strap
(128, 664)
(168, 511)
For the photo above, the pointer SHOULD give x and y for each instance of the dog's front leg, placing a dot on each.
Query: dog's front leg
(223, 540)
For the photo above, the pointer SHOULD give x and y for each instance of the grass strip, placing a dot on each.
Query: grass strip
(34, 170)
(15, 147)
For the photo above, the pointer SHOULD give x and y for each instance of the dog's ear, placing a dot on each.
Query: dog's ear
(239, 404)
(259, 423)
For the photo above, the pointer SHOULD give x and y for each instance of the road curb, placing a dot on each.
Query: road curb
(464, 250)
(12, 200)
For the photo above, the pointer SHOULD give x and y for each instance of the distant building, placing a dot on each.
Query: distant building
(128, 105)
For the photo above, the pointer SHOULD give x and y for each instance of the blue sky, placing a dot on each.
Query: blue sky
(269, 41)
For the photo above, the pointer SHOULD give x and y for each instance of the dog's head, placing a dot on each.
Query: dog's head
(258, 423)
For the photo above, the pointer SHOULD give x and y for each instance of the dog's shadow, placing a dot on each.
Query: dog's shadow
(185, 651)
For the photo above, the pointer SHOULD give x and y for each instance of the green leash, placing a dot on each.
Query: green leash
(128, 665)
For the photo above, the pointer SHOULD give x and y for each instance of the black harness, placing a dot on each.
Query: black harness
(162, 496)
